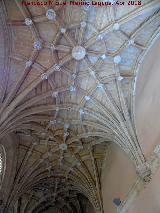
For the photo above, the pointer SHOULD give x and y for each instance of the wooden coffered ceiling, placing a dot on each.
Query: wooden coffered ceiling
(67, 91)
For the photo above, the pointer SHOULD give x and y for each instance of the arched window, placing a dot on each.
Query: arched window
(2, 163)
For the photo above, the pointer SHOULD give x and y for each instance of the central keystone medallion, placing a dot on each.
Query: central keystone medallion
(78, 52)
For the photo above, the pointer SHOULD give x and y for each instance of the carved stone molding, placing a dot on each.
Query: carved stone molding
(157, 150)
(144, 172)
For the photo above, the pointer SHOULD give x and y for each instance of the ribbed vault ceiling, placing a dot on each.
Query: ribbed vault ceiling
(68, 87)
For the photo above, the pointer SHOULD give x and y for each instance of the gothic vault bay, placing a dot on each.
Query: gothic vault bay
(79, 107)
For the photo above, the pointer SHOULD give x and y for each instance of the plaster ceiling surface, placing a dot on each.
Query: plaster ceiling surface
(68, 91)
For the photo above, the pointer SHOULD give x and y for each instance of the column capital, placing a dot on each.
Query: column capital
(144, 172)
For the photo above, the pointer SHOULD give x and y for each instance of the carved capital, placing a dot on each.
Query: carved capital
(144, 172)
